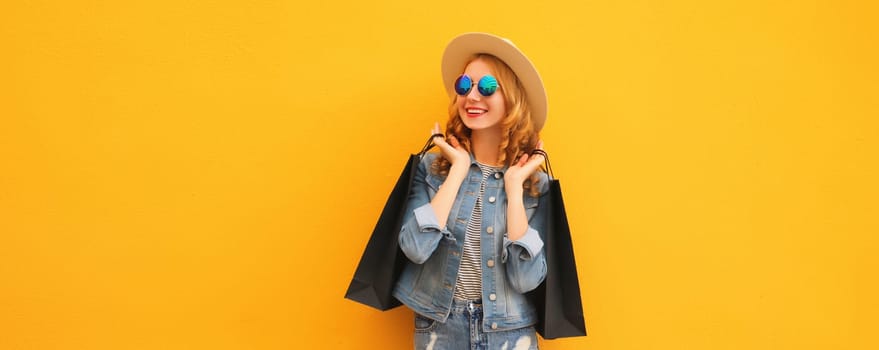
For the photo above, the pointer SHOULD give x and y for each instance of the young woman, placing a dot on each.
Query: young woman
(472, 228)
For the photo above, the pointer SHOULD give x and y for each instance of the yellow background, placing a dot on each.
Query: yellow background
(205, 175)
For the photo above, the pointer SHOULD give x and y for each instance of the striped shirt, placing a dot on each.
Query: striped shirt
(469, 284)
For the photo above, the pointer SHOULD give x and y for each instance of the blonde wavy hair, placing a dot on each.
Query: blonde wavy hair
(518, 134)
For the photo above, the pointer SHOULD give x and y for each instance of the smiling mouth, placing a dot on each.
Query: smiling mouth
(475, 112)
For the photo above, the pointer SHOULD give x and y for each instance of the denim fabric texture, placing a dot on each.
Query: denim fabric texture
(509, 268)
(462, 330)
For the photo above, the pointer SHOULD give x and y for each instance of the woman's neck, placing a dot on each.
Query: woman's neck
(484, 145)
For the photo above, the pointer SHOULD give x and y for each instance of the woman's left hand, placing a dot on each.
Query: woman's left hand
(516, 175)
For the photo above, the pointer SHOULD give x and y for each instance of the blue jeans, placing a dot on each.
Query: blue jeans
(463, 331)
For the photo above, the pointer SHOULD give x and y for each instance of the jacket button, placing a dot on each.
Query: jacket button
(490, 263)
(492, 297)
(491, 199)
(494, 326)
(497, 175)
(490, 229)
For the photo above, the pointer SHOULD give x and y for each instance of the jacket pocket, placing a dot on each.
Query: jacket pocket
(530, 206)
(433, 182)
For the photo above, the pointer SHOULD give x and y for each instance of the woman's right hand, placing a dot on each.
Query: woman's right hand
(451, 150)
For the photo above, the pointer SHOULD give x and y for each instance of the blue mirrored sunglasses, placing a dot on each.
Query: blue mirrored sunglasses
(487, 85)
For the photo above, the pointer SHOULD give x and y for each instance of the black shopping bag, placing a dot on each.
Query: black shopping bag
(382, 260)
(557, 299)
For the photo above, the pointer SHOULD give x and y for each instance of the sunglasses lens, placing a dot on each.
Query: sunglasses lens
(487, 85)
(463, 85)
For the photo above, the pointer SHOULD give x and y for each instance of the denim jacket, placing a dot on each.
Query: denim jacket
(509, 268)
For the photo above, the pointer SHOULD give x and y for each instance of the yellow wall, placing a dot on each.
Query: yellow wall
(204, 175)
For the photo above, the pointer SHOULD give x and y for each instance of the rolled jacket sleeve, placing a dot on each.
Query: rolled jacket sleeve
(527, 247)
(525, 261)
(421, 234)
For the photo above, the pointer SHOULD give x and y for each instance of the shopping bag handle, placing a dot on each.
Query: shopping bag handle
(429, 144)
(545, 160)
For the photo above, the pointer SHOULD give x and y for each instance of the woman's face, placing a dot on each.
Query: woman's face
(480, 112)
